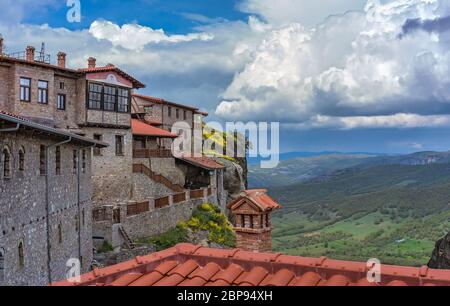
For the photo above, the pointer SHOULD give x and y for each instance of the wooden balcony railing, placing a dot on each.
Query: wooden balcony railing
(197, 194)
(162, 202)
(179, 197)
(141, 168)
(100, 214)
(138, 208)
(149, 153)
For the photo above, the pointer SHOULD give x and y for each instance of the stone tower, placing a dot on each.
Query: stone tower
(251, 212)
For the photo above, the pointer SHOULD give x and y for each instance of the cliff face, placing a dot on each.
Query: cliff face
(235, 176)
(440, 259)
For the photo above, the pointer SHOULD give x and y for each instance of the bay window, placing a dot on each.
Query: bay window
(108, 98)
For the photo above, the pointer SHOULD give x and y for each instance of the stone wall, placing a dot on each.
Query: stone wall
(259, 241)
(112, 177)
(23, 216)
(145, 188)
(160, 220)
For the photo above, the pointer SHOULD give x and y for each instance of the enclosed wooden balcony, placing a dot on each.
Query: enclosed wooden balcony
(152, 153)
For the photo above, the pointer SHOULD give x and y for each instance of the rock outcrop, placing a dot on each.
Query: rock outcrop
(440, 259)
(235, 177)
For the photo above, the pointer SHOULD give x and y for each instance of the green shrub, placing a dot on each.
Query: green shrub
(206, 217)
(170, 238)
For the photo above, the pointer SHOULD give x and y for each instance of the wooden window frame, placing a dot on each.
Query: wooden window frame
(119, 149)
(118, 95)
(43, 92)
(58, 102)
(27, 89)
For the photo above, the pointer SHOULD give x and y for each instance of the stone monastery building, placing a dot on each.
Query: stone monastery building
(84, 159)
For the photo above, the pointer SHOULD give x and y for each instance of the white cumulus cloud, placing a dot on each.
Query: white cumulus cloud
(354, 70)
(135, 36)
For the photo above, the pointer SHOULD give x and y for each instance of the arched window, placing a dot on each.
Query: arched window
(21, 159)
(2, 266)
(6, 163)
(77, 224)
(21, 256)
(60, 234)
(83, 161)
(58, 160)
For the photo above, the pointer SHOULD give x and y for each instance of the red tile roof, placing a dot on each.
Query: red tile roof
(203, 162)
(112, 68)
(140, 128)
(190, 265)
(258, 197)
(162, 101)
(20, 121)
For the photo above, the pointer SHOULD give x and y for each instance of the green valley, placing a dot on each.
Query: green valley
(391, 211)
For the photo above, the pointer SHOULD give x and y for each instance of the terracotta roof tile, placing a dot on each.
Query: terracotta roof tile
(166, 267)
(253, 277)
(191, 265)
(258, 197)
(281, 278)
(173, 280)
(126, 279)
(112, 68)
(308, 279)
(148, 280)
(229, 275)
(140, 128)
(162, 101)
(203, 162)
(206, 272)
(185, 269)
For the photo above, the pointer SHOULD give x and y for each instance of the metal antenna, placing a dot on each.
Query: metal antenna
(42, 53)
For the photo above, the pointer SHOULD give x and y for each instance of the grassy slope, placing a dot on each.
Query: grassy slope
(394, 213)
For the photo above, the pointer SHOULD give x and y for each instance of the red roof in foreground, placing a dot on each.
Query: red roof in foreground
(140, 128)
(258, 197)
(190, 265)
(203, 162)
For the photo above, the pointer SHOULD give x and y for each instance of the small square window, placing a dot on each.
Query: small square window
(119, 145)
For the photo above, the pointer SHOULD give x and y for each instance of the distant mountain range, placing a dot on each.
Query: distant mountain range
(320, 165)
(360, 206)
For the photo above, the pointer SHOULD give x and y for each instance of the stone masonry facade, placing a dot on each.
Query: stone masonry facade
(23, 211)
(94, 103)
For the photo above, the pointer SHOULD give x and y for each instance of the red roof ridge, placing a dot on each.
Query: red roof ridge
(163, 101)
(258, 197)
(189, 264)
(140, 128)
(112, 68)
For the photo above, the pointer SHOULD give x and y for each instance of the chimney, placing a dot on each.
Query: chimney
(30, 53)
(251, 213)
(61, 60)
(1, 45)
(91, 62)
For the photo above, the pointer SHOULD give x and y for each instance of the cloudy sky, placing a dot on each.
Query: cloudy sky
(348, 75)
